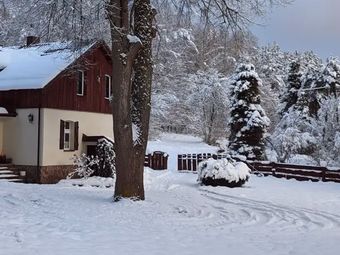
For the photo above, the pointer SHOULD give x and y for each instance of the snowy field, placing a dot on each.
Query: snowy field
(267, 216)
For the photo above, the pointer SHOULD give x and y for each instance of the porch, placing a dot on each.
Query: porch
(5, 116)
(8, 172)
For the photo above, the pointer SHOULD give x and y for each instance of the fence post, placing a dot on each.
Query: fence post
(165, 166)
(194, 162)
(180, 162)
(323, 177)
(184, 162)
(189, 156)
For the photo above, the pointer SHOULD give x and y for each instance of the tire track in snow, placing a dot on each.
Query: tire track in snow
(252, 212)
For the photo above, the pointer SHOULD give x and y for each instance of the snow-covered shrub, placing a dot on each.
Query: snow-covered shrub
(248, 121)
(106, 159)
(85, 166)
(223, 172)
(101, 165)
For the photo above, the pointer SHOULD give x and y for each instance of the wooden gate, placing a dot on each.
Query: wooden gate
(157, 161)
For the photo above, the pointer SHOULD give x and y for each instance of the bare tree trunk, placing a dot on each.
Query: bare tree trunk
(141, 86)
(123, 55)
(132, 78)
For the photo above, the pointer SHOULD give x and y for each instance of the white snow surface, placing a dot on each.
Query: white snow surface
(35, 66)
(133, 39)
(266, 216)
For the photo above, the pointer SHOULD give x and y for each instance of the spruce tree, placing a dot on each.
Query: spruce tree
(293, 84)
(307, 102)
(330, 79)
(248, 121)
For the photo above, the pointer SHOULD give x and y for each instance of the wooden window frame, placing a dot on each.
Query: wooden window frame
(110, 87)
(82, 80)
(69, 129)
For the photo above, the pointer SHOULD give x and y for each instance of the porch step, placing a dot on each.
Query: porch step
(6, 171)
(12, 180)
(7, 175)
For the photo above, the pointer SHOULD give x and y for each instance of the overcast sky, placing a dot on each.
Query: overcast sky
(303, 25)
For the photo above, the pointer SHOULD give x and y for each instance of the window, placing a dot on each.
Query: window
(81, 83)
(108, 87)
(69, 135)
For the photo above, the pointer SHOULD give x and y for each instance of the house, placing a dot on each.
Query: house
(54, 104)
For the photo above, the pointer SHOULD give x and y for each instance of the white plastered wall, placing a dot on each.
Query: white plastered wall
(20, 137)
(90, 124)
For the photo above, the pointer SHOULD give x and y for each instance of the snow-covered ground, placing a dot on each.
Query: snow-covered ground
(267, 216)
(174, 144)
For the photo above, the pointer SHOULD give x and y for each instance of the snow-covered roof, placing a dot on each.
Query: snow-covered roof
(35, 66)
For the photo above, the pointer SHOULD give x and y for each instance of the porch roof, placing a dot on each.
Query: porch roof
(95, 139)
(5, 113)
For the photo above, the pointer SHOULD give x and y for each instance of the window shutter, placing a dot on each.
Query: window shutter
(76, 135)
(62, 133)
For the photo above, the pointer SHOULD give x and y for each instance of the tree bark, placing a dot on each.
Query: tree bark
(142, 81)
(132, 78)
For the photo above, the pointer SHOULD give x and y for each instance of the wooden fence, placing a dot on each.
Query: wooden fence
(157, 161)
(189, 162)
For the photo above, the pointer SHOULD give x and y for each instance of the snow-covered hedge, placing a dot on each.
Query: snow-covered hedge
(223, 172)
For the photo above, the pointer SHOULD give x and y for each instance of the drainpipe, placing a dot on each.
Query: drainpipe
(38, 149)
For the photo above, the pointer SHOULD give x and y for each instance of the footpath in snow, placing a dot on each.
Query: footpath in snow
(267, 216)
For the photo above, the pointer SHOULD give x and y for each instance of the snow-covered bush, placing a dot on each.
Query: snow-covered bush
(101, 165)
(106, 159)
(248, 121)
(84, 166)
(223, 172)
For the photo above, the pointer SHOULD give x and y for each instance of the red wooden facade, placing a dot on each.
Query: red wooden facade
(61, 92)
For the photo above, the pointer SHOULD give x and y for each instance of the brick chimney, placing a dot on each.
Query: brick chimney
(31, 40)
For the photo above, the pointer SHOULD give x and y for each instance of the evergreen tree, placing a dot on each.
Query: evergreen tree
(290, 96)
(248, 121)
(295, 137)
(330, 79)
